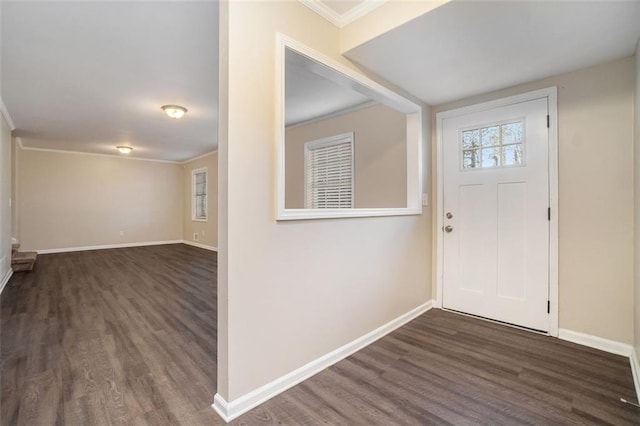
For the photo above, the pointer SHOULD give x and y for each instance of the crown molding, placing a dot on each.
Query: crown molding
(345, 19)
(360, 10)
(323, 10)
(96, 154)
(5, 113)
(206, 154)
(347, 110)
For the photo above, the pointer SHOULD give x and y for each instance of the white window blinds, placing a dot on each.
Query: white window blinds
(329, 172)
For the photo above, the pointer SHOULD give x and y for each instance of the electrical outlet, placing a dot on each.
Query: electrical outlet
(425, 199)
(195, 236)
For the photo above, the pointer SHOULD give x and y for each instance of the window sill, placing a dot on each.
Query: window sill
(302, 214)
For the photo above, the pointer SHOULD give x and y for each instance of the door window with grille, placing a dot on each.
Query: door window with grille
(491, 146)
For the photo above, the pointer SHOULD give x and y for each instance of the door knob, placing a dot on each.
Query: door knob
(448, 215)
(448, 228)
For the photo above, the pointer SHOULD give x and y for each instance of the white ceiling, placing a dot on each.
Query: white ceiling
(341, 6)
(309, 95)
(87, 76)
(342, 12)
(464, 48)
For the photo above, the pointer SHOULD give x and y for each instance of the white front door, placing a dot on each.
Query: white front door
(496, 224)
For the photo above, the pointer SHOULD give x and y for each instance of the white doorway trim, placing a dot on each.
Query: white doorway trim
(551, 93)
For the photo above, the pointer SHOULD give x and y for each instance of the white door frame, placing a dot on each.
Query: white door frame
(551, 93)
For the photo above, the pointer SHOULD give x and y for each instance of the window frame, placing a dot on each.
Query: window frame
(194, 173)
(501, 145)
(416, 133)
(323, 143)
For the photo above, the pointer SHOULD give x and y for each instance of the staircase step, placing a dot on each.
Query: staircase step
(23, 261)
(24, 256)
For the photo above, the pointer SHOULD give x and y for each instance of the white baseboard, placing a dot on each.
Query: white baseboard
(200, 245)
(5, 279)
(107, 246)
(606, 345)
(595, 342)
(230, 410)
(635, 371)
(222, 408)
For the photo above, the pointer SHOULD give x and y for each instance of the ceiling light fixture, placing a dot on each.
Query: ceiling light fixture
(124, 149)
(174, 111)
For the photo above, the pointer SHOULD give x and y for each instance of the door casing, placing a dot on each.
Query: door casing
(551, 93)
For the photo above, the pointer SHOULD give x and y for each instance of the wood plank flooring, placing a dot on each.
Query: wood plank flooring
(111, 337)
(445, 368)
(128, 336)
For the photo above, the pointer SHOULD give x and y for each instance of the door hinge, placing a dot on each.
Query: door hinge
(548, 121)
(548, 306)
(549, 213)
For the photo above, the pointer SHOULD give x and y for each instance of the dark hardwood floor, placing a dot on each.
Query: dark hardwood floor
(128, 336)
(445, 368)
(111, 337)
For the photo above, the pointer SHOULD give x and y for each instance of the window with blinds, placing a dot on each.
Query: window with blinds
(328, 167)
(199, 195)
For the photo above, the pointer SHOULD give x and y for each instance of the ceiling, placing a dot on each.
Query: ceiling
(87, 76)
(464, 48)
(309, 95)
(341, 6)
(342, 12)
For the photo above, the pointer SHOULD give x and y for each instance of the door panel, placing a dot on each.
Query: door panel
(475, 223)
(496, 189)
(512, 237)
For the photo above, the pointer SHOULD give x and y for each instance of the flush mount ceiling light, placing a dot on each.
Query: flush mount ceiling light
(124, 149)
(174, 111)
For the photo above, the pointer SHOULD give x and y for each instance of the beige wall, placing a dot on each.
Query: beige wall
(77, 200)
(380, 157)
(5, 197)
(636, 168)
(290, 292)
(207, 231)
(595, 195)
